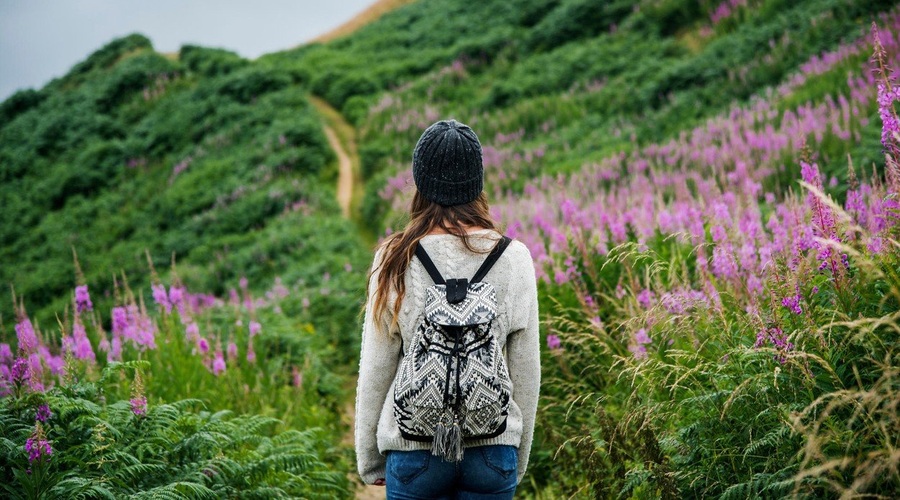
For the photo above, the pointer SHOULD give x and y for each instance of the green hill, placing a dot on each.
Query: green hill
(211, 160)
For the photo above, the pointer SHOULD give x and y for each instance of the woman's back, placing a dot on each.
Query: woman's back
(445, 453)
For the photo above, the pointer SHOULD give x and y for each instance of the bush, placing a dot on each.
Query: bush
(210, 62)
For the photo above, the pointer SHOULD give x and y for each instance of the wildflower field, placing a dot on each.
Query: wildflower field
(709, 190)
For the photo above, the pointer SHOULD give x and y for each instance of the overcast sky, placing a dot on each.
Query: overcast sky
(42, 39)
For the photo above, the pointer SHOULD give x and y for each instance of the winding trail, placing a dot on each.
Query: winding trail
(342, 139)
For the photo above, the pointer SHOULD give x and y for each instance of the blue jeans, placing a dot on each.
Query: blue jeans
(485, 472)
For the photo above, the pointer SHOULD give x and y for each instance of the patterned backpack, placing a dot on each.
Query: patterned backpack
(453, 383)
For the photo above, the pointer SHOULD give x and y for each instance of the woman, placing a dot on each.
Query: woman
(450, 219)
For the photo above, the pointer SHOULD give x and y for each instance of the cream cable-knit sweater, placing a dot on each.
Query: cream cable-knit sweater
(516, 326)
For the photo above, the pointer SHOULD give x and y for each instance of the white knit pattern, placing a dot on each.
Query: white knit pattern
(516, 326)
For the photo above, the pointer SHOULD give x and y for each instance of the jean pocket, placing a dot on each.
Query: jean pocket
(405, 466)
(503, 459)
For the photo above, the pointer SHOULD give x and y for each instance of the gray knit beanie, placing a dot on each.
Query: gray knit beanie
(447, 164)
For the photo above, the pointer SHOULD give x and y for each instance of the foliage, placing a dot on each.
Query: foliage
(106, 447)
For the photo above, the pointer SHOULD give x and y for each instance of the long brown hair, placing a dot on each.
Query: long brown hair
(399, 248)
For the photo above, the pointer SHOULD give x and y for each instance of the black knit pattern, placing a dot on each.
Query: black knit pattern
(447, 164)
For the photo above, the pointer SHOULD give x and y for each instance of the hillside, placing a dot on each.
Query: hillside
(702, 185)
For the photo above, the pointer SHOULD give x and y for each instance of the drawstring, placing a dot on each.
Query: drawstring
(447, 442)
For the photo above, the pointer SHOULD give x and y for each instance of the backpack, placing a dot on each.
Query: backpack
(453, 383)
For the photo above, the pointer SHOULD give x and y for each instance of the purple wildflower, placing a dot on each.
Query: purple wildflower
(21, 371)
(255, 328)
(176, 298)
(37, 447)
(792, 302)
(232, 350)
(83, 299)
(775, 336)
(192, 330)
(6, 355)
(641, 336)
(553, 342)
(203, 345)
(161, 297)
(81, 345)
(139, 406)
(638, 346)
(638, 350)
(889, 122)
(43, 413)
(28, 341)
(218, 366)
(119, 320)
(645, 298)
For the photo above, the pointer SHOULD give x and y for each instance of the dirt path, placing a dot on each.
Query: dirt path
(345, 172)
(342, 139)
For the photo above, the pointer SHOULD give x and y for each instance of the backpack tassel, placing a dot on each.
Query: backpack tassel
(447, 442)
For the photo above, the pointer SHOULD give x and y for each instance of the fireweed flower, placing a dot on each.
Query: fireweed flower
(296, 376)
(218, 366)
(36, 372)
(645, 298)
(889, 122)
(37, 445)
(6, 355)
(255, 328)
(232, 350)
(777, 338)
(203, 345)
(638, 345)
(161, 297)
(21, 371)
(192, 330)
(119, 320)
(82, 299)
(176, 295)
(139, 406)
(792, 302)
(553, 342)
(28, 341)
(43, 413)
(81, 345)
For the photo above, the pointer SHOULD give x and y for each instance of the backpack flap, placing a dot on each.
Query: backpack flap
(478, 306)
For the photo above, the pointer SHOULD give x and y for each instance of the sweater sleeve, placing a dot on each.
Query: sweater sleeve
(523, 352)
(379, 357)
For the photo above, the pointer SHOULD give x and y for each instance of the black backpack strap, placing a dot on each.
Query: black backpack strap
(491, 259)
(429, 265)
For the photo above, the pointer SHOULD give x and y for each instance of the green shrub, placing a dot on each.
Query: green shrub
(210, 62)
